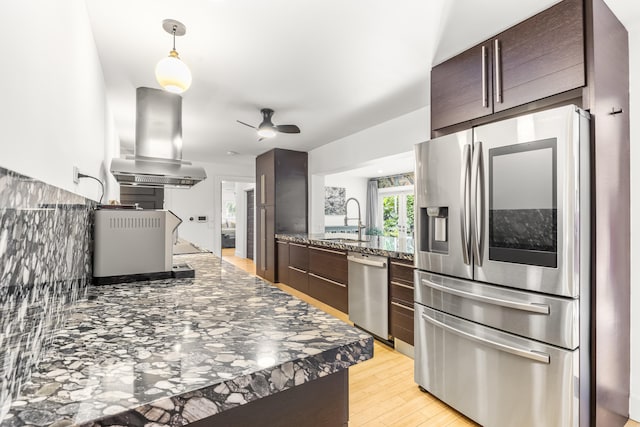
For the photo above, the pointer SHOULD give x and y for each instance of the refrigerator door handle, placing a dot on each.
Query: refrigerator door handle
(538, 356)
(465, 190)
(524, 306)
(477, 208)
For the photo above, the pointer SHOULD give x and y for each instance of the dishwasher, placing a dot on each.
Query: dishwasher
(369, 293)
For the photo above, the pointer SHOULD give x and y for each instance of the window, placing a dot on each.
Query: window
(396, 211)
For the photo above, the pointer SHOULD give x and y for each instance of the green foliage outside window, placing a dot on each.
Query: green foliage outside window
(390, 216)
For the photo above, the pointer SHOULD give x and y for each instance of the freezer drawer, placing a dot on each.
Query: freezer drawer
(553, 320)
(495, 378)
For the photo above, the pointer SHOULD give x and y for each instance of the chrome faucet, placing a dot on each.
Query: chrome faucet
(346, 216)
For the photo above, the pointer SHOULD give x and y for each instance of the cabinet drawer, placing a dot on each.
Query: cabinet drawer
(330, 292)
(329, 263)
(402, 292)
(283, 261)
(298, 279)
(401, 317)
(401, 271)
(299, 256)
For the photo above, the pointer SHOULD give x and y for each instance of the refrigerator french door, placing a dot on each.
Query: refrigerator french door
(502, 279)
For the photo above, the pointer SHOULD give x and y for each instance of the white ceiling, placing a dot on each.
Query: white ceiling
(333, 67)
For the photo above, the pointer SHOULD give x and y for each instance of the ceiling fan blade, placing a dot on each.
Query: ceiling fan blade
(288, 128)
(246, 124)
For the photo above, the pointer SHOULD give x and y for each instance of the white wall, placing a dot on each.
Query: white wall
(205, 199)
(355, 187)
(395, 136)
(634, 72)
(54, 111)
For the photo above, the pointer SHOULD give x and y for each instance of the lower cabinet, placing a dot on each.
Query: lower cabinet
(328, 276)
(401, 299)
(298, 267)
(283, 261)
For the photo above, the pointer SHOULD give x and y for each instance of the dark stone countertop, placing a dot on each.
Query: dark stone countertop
(175, 351)
(394, 247)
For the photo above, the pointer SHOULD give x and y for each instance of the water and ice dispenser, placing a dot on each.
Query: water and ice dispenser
(434, 230)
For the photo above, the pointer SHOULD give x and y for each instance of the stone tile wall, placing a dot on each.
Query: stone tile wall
(45, 266)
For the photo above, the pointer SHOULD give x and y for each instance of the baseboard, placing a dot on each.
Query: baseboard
(634, 407)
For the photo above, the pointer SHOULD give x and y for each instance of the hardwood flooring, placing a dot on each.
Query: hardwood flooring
(381, 390)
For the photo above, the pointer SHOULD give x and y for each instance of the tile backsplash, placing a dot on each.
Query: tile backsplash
(45, 266)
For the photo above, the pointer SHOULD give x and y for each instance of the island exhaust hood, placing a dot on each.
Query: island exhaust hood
(158, 148)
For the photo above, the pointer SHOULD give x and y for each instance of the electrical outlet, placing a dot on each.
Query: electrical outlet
(76, 172)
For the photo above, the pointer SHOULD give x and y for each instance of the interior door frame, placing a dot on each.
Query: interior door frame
(217, 212)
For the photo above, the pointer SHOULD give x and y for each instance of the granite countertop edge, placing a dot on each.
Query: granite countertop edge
(371, 247)
(195, 405)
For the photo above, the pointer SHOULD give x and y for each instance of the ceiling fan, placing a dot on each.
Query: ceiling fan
(267, 129)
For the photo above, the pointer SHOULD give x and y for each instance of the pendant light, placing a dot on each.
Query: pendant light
(171, 73)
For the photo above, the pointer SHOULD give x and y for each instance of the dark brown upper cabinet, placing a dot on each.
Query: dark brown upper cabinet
(461, 88)
(538, 58)
(281, 204)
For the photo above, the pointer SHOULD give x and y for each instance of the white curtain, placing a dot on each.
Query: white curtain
(371, 217)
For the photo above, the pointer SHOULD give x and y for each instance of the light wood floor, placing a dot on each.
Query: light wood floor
(381, 390)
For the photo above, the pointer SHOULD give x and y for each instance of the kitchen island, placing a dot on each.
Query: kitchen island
(221, 347)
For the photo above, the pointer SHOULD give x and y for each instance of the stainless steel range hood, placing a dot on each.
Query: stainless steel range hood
(158, 148)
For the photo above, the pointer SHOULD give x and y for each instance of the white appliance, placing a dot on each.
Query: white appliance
(503, 264)
(130, 242)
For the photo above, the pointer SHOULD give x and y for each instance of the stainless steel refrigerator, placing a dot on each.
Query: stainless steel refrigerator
(503, 263)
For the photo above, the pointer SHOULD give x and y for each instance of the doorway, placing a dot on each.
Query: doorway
(237, 222)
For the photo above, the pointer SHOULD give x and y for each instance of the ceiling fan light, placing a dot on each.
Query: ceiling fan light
(266, 132)
(173, 74)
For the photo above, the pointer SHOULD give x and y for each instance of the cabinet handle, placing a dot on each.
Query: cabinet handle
(402, 306)
(298, 244)
(498, 68)
(401, 285)
(280, 242)
(262, 189)
(342, 285)
(400, 264)
(485, 97)
(315, 248)
(263, 239)
(299, 270)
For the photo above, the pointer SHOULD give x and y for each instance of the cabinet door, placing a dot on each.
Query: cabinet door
(298, 266)
(461, 88)
(265, 179)
(329, 263)
(283, 261)
(540, 57)
(401, 316)
(266, 265)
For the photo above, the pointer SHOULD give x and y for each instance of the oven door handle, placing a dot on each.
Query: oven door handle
(526, 353)
(524, 306)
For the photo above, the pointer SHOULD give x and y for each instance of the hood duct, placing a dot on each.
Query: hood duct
(158, 148)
